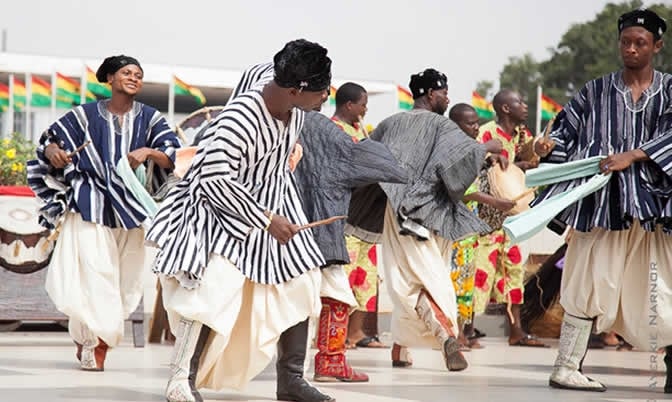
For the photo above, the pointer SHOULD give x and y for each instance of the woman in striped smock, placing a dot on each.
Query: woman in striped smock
(238, 276)
(96, 269)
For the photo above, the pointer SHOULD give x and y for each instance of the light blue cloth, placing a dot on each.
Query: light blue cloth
(526, 224)
(550, 173)
(135, 183)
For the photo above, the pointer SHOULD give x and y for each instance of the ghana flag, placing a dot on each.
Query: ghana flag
(483, 108)
(405, 98)
(549, 108)
(182, 88)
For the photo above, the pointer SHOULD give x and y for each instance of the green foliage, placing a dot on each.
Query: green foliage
(586, 51)
(14, 153)
(485, 88)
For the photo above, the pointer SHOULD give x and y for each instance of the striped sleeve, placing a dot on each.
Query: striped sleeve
(38, 169)
(251, 77)
(566, 128)
(231, 143)
(162, 137)
(659, 149)
(51, 184)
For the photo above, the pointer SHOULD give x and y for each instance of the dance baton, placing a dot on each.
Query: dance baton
(323, 222)
(79, 149)
(524, 194)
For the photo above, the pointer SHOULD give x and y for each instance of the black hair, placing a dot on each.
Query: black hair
(458, 110)
(112, 64)
(304, 65)
(501, 98)
(349, 92)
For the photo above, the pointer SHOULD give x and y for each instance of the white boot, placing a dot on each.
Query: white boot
(184, 362)
(573, 346)
(441, 327)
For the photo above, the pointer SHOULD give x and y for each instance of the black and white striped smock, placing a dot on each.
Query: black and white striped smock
(240, 170)
(253, 77)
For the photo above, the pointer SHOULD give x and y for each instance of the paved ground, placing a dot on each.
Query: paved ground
(40, 366)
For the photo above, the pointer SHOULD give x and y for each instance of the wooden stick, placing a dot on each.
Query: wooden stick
(323, 222)
(79, 149)
(524, 194)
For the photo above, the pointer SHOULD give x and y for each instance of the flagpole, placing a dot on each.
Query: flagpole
(10, 115)
(171, 101)
(29, 99)
(538, 131)
(52, 115)
(82, 87)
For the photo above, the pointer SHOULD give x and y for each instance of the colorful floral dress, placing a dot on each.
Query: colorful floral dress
(463, 268)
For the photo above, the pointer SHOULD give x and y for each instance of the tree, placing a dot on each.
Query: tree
(586, 51)
(484, 88)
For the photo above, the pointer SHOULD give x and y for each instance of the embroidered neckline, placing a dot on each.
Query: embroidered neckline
(619, 85)
(106, 114)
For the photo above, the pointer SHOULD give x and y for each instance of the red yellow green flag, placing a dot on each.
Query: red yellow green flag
(332, 95)
(404, 98)
(4, 97)
(19, 94)
(68, 92)
(98, 88)
(549, 108)
(182, 88)
(40, 92)
(4, 92)
(483, 108)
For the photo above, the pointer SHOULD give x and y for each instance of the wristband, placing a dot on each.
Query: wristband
(270, 219)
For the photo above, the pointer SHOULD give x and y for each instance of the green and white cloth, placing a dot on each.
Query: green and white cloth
(135, 182)
(526, 224)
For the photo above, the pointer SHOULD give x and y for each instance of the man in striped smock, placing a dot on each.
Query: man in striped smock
(236, 270)
(617, 272)
(424, 216)
(342, 165)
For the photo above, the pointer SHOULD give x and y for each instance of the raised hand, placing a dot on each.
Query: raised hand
(544, 146)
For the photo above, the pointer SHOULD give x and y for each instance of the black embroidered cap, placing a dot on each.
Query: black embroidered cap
(422, 82)
(644, 18)
(112, 64)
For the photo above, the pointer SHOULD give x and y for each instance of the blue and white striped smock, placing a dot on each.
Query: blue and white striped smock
(602, 119)
(90, 184)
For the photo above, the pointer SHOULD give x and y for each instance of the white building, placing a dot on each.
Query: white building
(216, 85)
